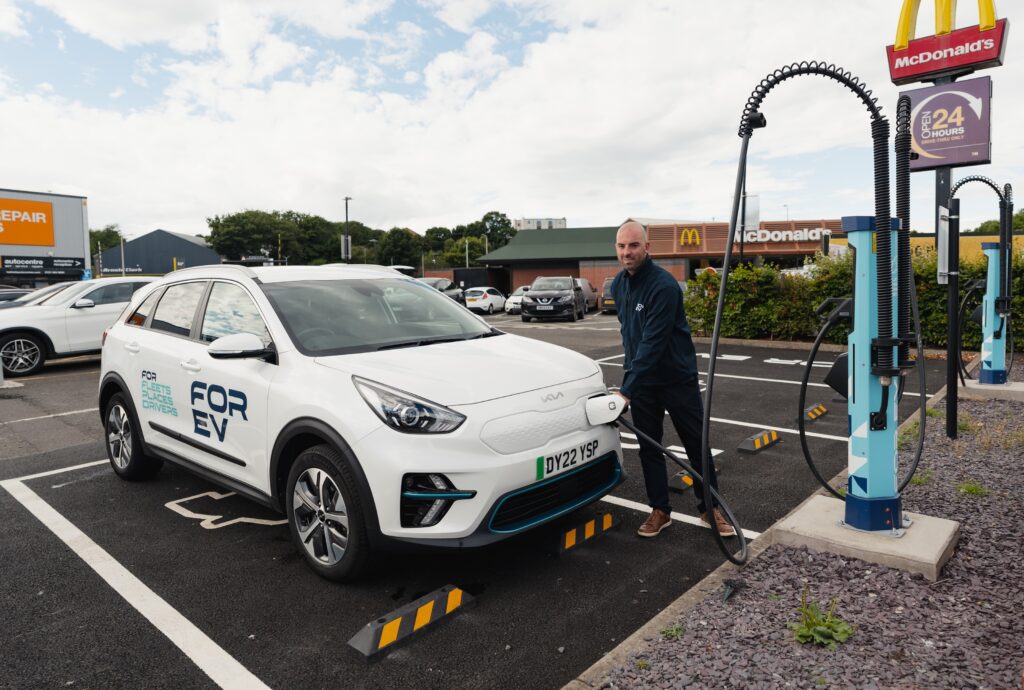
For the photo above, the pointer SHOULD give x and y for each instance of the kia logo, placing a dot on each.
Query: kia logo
(552, 397)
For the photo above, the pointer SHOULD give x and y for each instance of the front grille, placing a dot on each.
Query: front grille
(549, 499)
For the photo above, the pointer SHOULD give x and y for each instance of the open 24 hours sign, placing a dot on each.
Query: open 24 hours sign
(950, 124)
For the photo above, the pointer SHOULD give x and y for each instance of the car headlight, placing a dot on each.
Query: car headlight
(566, 300)
(528, 300)
(407, 413)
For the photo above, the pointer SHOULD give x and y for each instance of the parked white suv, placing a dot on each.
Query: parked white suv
(364, 405)
(69, 321)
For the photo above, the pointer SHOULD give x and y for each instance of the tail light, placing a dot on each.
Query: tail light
(484, 296)
(103, 340)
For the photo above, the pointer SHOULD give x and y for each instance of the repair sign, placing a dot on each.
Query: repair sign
(26, 222)
(950, 124)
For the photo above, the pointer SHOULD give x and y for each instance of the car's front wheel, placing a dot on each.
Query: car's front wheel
(325, 516)
(21, 354)
(124, 442)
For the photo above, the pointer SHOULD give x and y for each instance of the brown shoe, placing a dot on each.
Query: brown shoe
(724, 527)
(655, 522)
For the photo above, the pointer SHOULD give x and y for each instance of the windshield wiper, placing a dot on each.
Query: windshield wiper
(418, 343)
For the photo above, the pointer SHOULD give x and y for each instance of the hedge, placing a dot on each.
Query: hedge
(764, 303)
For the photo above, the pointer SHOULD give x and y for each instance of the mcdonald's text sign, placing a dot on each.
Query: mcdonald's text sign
(949, 51)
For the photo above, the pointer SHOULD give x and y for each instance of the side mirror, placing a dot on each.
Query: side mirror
(83, 304)
(238, 346)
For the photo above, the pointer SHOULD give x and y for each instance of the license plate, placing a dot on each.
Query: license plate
(609, 301)
(550, 465)
(545, 307)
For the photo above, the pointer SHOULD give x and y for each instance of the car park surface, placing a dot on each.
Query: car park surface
(539, 619)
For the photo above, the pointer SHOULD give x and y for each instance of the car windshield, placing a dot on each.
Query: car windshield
(43, 292)
(65, 294)
(520, 290)
(333, 317)
(552, 284)
(607, 284)
(432, 282)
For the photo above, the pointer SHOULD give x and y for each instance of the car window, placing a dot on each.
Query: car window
(65, 295)
(474, 292)
(230, 310)
(552, 284)
(607, 284)
(520, 290)
(494, 292)
(177, 308)
(326, 317)
(111, 293)
(138, 317)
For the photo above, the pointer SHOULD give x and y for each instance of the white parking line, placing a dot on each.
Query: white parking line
(780, 429)
(758, 378)
(50, 416)
(688, 519)
(222, 668)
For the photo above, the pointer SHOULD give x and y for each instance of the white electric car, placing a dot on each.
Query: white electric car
(364, 405)
(65, 322)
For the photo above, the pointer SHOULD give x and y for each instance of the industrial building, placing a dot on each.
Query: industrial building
(156, 253)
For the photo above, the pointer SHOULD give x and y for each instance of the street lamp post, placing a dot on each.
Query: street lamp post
(787, 212)
(340, 240)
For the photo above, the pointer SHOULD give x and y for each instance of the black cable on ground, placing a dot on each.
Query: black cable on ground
(712, 498)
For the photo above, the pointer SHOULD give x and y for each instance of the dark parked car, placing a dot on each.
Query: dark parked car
(607, 301)
(9, 294)
(447, 287)
(554, 298)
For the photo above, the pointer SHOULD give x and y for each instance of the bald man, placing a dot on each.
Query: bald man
(660, 372)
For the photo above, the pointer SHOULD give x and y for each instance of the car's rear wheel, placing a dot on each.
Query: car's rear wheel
(21, 354)
(574, 316)
(583, 312)
(325, 516)
(124, 441)
(490, 309)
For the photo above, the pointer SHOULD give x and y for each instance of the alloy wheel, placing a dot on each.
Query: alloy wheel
(119, 436)
(19, 355)
(321, 516)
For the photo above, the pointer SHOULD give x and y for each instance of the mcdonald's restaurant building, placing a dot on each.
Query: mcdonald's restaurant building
(678, 246)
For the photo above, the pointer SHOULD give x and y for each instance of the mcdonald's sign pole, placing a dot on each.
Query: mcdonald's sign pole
(942, 58)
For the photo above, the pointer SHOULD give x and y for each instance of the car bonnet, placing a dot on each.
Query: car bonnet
(471, 371)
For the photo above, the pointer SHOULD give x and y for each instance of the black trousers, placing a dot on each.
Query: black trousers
(686, 409)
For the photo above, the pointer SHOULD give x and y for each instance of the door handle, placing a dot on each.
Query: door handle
(132, 347)
(191, 365)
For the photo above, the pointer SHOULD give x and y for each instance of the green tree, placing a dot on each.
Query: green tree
(106, 237)
(434, 238)
(400, 246)
(499, 229)
(455, 251)
(250, 233)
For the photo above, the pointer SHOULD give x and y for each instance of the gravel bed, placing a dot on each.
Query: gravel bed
(1017, 370)
(964, 631)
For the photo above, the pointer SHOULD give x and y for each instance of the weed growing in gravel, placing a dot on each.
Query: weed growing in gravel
(1014, 440)
(642, 664)
(841, 491)
(673, 632)
(966, 424)
(772, 596)
(972, 489)
(822, 630)
(921, 478)
(909, 434)
(931, 412)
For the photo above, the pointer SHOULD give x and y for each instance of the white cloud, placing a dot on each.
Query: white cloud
(184, 23)
(116, 93)
(12, 19)
(460, 15)
(143, 69)
(60, 41)
(628, 109)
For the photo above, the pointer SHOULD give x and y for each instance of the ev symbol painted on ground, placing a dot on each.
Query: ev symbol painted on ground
(209, 521)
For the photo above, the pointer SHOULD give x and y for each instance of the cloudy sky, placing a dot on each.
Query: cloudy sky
(433, 112)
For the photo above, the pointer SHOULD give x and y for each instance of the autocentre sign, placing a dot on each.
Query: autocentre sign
(949, 52)
(950, 124)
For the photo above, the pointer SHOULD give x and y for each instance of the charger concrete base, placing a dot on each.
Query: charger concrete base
(973, 390)
(924, 548)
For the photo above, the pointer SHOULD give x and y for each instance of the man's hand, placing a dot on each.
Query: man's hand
(623, 402)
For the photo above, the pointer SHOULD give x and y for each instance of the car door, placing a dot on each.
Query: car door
(228, 397)
(499, 299)
(159, 350)
(85, 324)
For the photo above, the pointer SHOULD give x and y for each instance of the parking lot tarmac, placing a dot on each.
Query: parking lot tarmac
(101, 578)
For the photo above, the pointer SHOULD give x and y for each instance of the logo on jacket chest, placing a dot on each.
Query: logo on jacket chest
(639, 306)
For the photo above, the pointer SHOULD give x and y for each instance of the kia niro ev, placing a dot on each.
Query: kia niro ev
(363, 404)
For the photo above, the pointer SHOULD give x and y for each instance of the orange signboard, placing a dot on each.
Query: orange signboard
(26, 222)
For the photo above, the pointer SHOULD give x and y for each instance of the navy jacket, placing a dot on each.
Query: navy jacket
(655, 335)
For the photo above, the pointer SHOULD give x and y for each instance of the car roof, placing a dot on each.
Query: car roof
(279, 274)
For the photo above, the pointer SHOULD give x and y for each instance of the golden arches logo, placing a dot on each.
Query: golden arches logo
(689, 236)
(945, 18)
